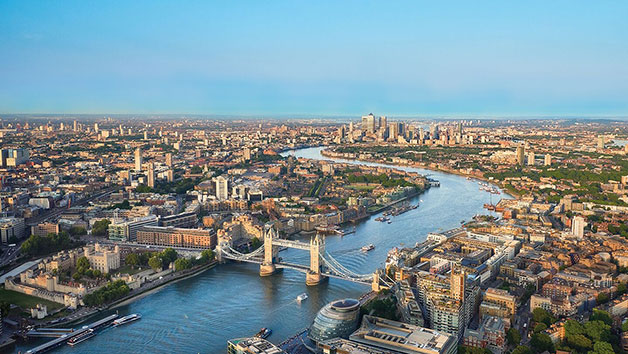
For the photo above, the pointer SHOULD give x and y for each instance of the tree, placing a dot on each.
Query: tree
(132, 259)
(82, 262)
(579, 342)
(602, 348)
(169, 255)
(77, 231)
(602, 298)
(541, 315)
(155, 263)
(597, 331)
(513, 337)
(76, 276)
(539, 327)
(541, 342)
(573, 327)
(521, 349)
(5, 307)
(255, 243)
(621, 289)
(181, 264)
(142, 188)
(100, 227)
(599, 315)
(207, 256)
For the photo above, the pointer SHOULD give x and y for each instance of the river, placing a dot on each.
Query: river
(199, 314)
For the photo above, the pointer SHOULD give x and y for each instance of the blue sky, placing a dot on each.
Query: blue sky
(315, 57)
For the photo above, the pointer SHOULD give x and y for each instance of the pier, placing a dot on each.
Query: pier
(68, 335)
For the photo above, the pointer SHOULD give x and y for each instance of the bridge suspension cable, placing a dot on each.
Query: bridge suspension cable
(343, 271)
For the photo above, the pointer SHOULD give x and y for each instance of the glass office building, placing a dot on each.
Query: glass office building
(337, 319)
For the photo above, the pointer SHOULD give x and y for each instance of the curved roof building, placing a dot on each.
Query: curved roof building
(339, 318)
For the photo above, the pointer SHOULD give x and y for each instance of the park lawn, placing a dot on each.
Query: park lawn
(26, 301)
(126, 269)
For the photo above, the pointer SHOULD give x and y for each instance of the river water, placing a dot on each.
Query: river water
(199, 314)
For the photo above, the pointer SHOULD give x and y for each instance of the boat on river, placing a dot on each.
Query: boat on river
(126, 319)
(368, 247)
(81, 337)
(302, 297)
(264, 333)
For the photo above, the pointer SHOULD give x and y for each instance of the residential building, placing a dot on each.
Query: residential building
(127, 230)
(177, 237)
(43, 229)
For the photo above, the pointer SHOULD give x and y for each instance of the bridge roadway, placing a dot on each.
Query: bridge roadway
(291, 244)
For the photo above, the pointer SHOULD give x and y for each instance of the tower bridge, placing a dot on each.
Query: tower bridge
(322, 264)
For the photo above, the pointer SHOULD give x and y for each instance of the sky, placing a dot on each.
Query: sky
(315, 57)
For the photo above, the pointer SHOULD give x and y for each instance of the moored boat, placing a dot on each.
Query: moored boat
(81, 337)
(126, 319)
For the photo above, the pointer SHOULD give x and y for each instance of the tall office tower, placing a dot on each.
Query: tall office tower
(151, 175)
(351, 128)
(75, 127)
(61, 126)
(341, 132)
(520, 155)
(457, 283)
(531, 157)
(600, 142)
(170, 175)
(393, 131)
(548, 160)
(14, 157)
(169, 159)
(138, 159)
(459, 128)
(401, 128)
(145, 135)
(222, 188)
(121, 130)
(96, 127)
(626, 148)
(577, 226)
(368, 123)
(130, 132)
(434, 131)
(383, 122)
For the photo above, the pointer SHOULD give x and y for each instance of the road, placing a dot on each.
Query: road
(53, 213)
(522, 321)
(11, 254)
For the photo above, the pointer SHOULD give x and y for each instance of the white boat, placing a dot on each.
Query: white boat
(368, 247)
(126, 319)
(81, 337)
(301, 297)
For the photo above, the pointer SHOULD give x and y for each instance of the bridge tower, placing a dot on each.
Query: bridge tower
(317, 249)
(270, 253)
